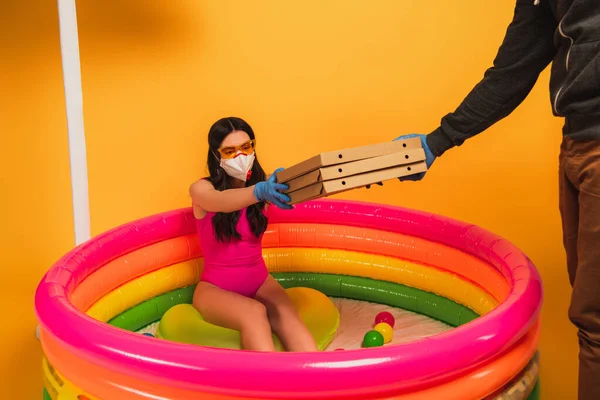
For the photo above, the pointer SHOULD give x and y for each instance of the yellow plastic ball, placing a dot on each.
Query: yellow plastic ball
(386, 330)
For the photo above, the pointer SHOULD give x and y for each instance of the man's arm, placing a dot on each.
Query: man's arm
(527, 49)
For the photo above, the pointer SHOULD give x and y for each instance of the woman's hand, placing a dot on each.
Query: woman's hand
(270, 191)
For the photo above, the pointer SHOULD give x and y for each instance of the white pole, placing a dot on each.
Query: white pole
(69, 45)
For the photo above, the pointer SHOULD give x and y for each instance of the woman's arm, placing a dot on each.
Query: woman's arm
(205, 196)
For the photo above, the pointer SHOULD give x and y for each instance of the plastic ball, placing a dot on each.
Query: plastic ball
(147, 334)
(386, 330)
(386, 317)
(373, 339)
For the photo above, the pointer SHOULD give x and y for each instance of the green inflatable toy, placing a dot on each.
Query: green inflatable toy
(184, 324)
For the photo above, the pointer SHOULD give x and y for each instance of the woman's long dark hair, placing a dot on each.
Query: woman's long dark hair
(224, 224)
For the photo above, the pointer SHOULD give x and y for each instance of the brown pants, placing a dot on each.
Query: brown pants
(579, 182)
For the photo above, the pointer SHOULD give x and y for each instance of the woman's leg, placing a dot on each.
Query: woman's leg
(284, 317)
(234, 311)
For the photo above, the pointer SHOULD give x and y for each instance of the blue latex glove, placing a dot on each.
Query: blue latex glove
(270, 191)
(429, 157)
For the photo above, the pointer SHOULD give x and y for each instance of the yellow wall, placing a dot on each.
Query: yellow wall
(329, 74)
(36, 225)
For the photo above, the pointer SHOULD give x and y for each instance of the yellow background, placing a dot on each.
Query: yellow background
(328, 74)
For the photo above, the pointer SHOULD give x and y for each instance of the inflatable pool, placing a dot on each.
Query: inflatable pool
(93, 300)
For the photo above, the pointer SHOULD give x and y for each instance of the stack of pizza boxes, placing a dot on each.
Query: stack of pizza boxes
(334, 172)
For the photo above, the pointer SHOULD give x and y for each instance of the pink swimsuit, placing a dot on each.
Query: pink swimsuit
(236, 266)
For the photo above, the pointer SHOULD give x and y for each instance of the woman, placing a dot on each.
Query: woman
(235, 290)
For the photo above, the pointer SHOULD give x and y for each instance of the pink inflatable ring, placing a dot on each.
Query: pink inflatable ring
(374, 373)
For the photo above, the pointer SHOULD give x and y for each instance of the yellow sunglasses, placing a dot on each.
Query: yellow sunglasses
(230, 151)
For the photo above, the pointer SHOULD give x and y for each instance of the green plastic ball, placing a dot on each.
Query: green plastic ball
(373, 339)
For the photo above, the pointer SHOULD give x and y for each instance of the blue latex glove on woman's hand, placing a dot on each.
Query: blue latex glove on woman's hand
(429, 157)
(270, 191)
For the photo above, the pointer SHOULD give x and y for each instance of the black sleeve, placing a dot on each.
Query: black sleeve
(527, 49)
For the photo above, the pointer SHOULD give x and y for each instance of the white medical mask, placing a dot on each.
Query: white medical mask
(239, 167)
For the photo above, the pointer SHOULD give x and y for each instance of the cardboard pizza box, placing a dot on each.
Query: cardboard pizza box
(356, 167)
(335, 186)
(330, 158)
